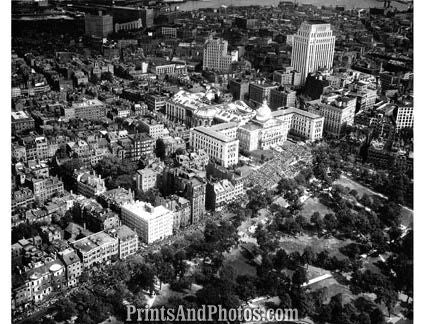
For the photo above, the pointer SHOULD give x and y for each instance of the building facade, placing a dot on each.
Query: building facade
(313, 48)
(149, 222)
(216, 56)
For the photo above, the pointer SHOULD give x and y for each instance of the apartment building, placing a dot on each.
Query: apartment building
(97, 248)
(150, 223)
(223, 192)
(152, 128)
(46, 188)
(128, 241)
(89, 185)
(73, 266)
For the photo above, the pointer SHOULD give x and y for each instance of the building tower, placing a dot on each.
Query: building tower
(313, 48)
(215, 55)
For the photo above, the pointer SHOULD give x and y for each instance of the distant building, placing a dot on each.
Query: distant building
(288, 77)
(98, 25)
(150, 223)
(258, 92)
(313, 48)
(216, 56)
(131, 25)
(92, 109)
(239, 88)
(21, 121)
(282, 98)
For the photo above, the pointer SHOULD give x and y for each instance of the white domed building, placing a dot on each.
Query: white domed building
(263, 131)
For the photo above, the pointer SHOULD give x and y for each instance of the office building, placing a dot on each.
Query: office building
(258, 92)
(288, 77)
(313, 48)
(99, 26)
(282, 97)
(337, 110)
(301, 123)
(216, 56)
(239, 89)
(220, 147)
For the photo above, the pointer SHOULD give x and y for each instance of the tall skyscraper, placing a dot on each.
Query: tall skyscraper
(215, 55)
(313, 47)
(98, 25)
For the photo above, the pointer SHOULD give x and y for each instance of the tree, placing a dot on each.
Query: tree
(299, 277)
(316, 220)
(65, 309)
(330, 222)
(308, 255)
(387, 296)
(246, 287)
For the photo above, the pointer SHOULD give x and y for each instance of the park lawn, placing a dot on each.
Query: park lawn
(312, 205)
(334, 288)
(300, 242)
(346, 182)
(406, 213)
(166, 293)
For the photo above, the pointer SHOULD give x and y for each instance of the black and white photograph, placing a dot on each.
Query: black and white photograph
(212, 161)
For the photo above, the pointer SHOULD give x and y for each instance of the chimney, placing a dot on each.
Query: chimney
(100, 12)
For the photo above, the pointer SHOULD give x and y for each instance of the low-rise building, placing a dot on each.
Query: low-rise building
(146, 179)
(223, 192)
(73, 266)
(128, 242)
(45, 189)
(98, 248)
(89, 185)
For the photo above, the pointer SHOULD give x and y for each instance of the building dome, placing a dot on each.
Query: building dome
(263, 113)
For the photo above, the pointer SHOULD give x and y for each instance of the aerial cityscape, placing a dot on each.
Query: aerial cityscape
(173, 158)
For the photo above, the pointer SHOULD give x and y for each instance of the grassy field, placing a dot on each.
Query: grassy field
(312, 205)
(406, 213)
(299, 243)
